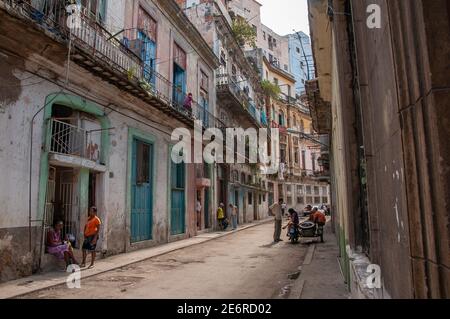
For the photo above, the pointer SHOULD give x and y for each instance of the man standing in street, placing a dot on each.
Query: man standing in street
(198, 209)
(275, 210)
(221, 216)
(91, 234)
(233, 213)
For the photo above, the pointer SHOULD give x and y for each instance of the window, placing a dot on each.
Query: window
(297, 49)
(275, 80)
(178, 180)
(300, 190)
(325, 200)
(260, 199)
(264, 35)
(296, 156)
(317, 200)
(179, 56)
(308, 190)
(96, 8)
(204, 81)
(303, 159)
(316, 190)
(309, 200)
(264, 198)
(300, 200)
(250, 198)
(324, 190)
(313, 159)
(143, 163)
(289, 188)
(289, 200)
(255, 29)
(281, 118)
(242, 178)
(147, 24)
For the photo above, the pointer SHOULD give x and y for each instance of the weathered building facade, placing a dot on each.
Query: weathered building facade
(301, 60)
(239, 105)
(299, 181)
(383, 94)
(88, 104)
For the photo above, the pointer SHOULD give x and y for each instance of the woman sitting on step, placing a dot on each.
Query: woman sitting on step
(58, 248)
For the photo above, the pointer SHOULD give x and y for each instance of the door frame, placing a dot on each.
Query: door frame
(148, 138)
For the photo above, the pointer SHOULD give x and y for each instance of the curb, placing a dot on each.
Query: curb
(94, 272)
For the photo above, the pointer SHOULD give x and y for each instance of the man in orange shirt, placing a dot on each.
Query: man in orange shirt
(318, 217)
(91, 234)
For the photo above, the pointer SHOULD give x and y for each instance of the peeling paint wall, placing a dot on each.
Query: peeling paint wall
(26, 95)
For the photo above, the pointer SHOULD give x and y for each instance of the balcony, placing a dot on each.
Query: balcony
(73, 146)
(67, 139)
(230, 93)
(96, 50)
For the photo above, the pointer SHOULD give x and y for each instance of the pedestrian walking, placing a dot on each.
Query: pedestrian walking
(234, 215)
(91, 235)
(276, 211)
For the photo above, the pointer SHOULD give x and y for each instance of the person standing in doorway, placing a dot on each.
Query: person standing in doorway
(276, 211)
(198, 209)
(91, 235)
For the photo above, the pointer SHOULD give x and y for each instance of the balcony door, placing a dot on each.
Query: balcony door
(148, 56)
(147, 33)
(179, 75)
(179, 84)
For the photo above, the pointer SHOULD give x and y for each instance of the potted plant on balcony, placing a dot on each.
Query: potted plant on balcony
(244, 32)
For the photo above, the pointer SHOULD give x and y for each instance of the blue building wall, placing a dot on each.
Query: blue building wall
(300, 58)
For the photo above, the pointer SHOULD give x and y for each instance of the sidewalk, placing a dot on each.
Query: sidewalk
(321, 277)
(42, 281)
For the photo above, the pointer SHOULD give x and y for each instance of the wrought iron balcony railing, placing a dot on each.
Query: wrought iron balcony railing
(105, 55)
(227, 83)
(71, 140)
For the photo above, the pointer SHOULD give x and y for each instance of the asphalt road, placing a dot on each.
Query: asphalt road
(242, 265)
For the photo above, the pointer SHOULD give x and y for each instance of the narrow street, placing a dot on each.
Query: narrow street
(242, 265)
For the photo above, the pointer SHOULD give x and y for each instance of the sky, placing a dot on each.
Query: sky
(284, 15)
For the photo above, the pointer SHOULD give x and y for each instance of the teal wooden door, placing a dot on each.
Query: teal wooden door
(141, 191)
(206, 209)
(177, 210)
(179, 85)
